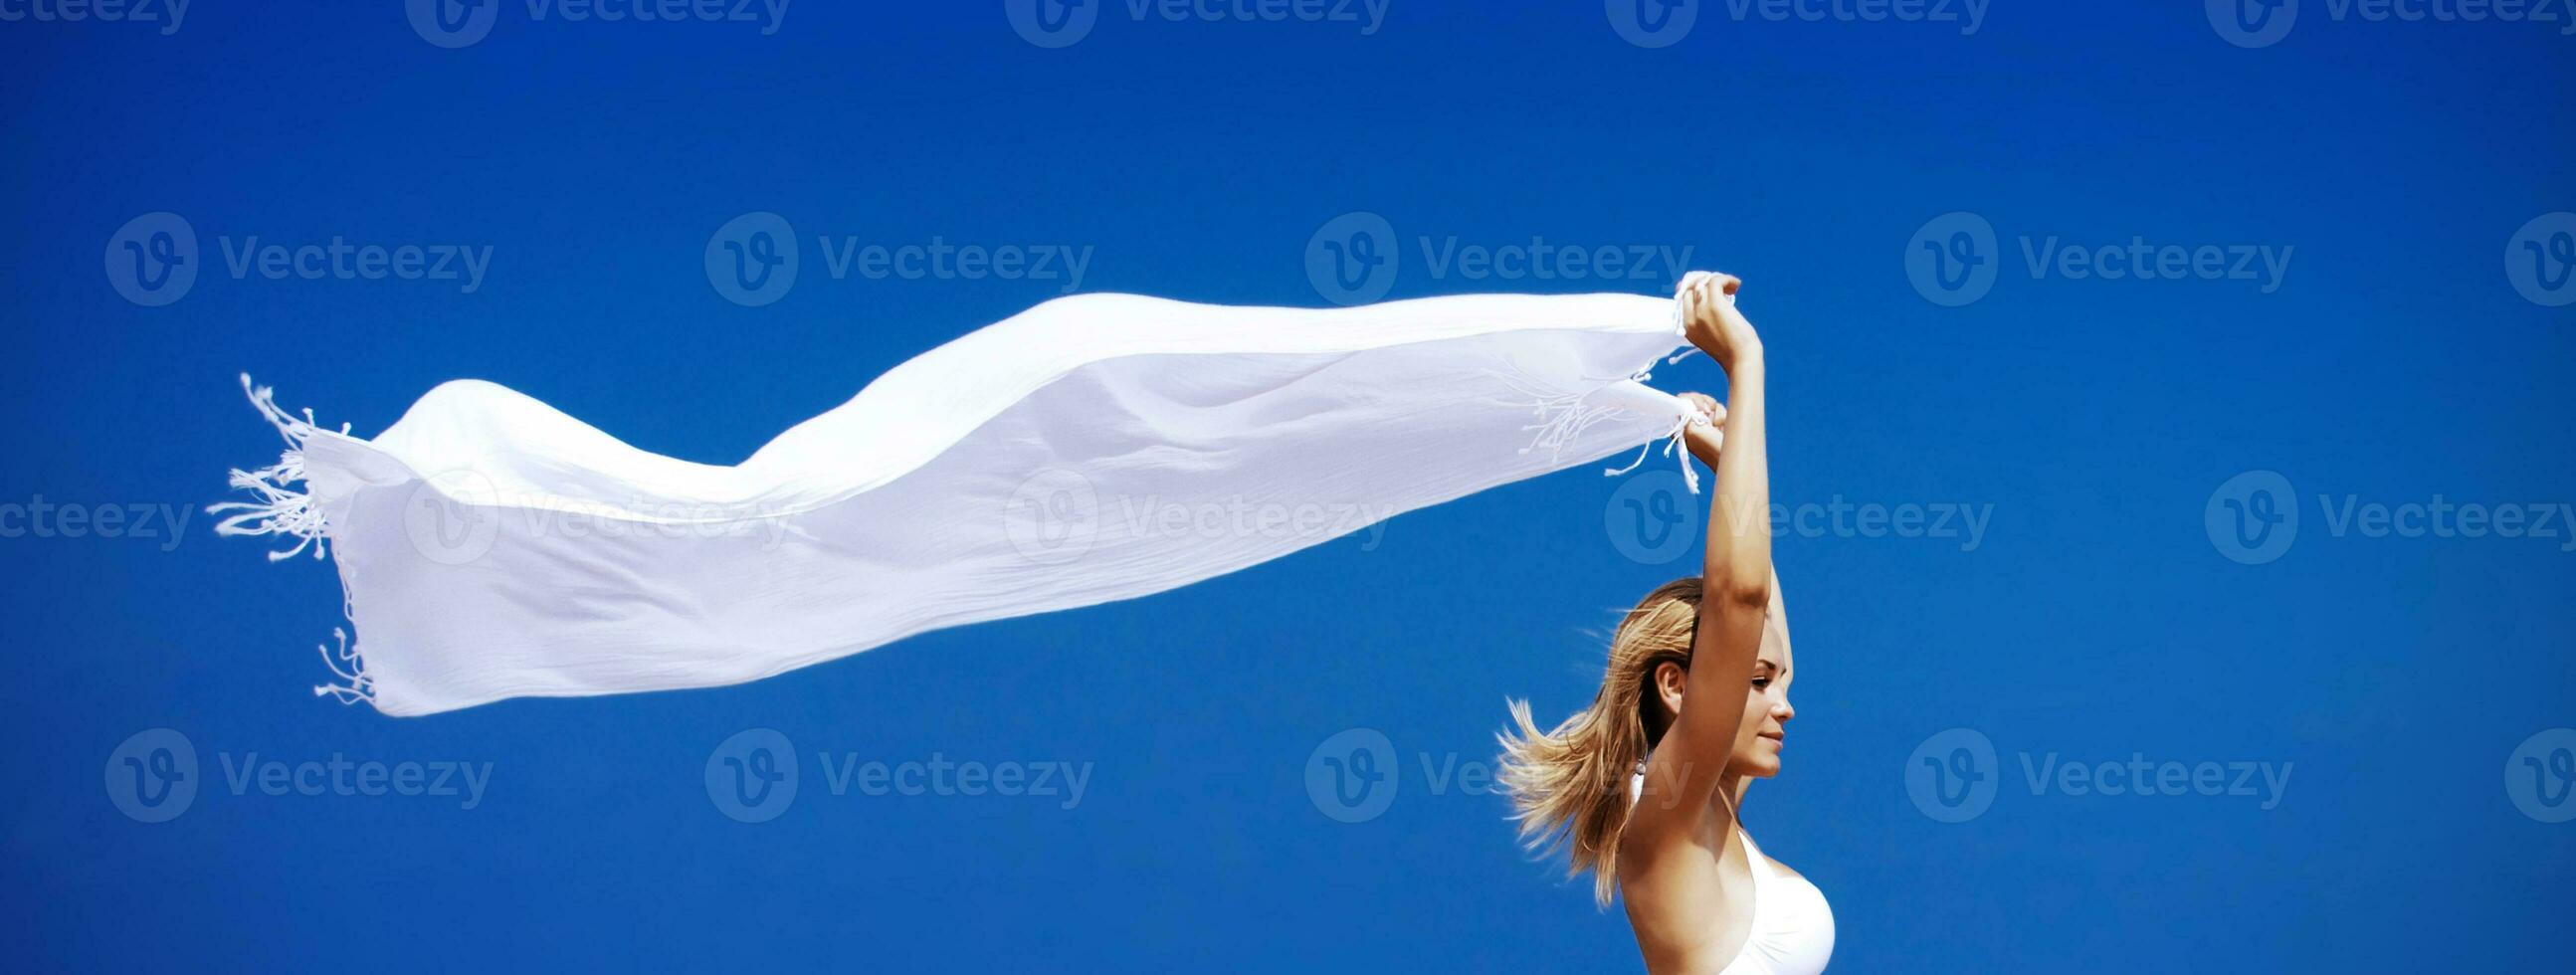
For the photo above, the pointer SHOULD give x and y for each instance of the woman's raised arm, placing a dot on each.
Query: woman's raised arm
(1735, 578)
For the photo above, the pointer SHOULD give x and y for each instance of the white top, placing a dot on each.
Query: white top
(1793, 927)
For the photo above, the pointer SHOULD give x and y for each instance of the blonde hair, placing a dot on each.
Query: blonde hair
(1570, 786)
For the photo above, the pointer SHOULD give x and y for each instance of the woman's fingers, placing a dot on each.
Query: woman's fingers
(1711, 285)
(1705, 304)
(1707, 406)
(1704, 439)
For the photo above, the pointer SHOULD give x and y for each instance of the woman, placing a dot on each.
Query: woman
(1645, 790)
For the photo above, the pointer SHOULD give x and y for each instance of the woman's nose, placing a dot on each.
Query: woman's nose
(1785, 709)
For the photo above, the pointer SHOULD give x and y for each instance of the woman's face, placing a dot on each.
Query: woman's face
(1765, 726)
(1766, 701)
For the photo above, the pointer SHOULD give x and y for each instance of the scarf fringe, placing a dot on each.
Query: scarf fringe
(346, 665)
(1562, 417)
(1681, 428)
(281, 508)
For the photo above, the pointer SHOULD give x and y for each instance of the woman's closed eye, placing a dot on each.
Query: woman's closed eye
(1764, 672)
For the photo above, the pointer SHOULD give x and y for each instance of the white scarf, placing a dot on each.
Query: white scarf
(1093, 448)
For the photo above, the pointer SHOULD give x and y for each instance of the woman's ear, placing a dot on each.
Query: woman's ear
(1670, 678)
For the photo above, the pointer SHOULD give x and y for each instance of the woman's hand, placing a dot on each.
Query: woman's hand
(1710, 321)
(1705, 438)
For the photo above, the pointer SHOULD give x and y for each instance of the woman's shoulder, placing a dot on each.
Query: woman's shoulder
(1687, 904)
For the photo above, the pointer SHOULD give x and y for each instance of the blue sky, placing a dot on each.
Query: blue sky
(2400, 356)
